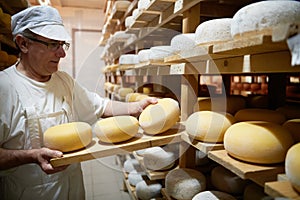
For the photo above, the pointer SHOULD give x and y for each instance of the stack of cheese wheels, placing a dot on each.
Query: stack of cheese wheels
(290, 111)
(292, 166)
(213, 195)
(258, 142)
(258, 114)
(262, 17)
(148, 190)
(213, 31)
(226, 181)
(158, 118)
(68, 137)
(184, 183)
(293, 125)
(229, 104)
(116, 129)
(253, 191)
(156, 158)
(183, 41)
(208, 126)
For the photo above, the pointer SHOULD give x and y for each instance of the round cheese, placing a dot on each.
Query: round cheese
(258, 142)
(131, 165)
(68, 137)
(213, 195)
(290, 111)
(131, 97)
(257, 114)
(292, 166)
(262, 17)
(143, 4)
(184, 183)
(124, 91)
(148, 190)
(293, 125)
(129, 21)
(116, 129)
(160, 52)
(135, 13)
(159, 117)
(144, 55)
(121, 5)
(183, 41)
(253, 191)
(134, 177)
(213, 31)
(208, 126)
(128, 59)
(226, 181)
(156, 158)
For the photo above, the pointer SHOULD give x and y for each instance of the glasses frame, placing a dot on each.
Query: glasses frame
(49, 44)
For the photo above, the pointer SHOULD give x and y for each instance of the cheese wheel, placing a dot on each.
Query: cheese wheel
(159, 117)
(257, 114)
(129, 21)
(131, 165)
(258, 142)
(144, 55)
(290, 111)
(226, 181)
(143, 4)
(184, 183)
(183, 41)
(293, 125)
(121, 5)
(116, 129)
(160, 52)
(124, 91)
(253, 191)
(208, 126)
(157, 158)
(262, 17)
(131, 97)
(134, 177)
(68, 137)
(213, 195)
(229, 104)
(148, 190)
(128, 59)
(292, 166)
(213, 31)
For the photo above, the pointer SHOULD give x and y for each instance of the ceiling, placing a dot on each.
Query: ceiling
(91, 4)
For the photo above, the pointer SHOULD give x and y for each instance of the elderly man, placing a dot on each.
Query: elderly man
(34, 96)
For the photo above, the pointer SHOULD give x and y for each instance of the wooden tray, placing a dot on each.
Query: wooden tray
(98, 149)
(260, 174)
(281, 189)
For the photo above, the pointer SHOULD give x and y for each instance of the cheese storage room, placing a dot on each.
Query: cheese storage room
(150, 99)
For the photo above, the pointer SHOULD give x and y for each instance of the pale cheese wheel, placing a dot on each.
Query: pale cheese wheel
(124, 91)
(135, 13)
(68, 137)
(131, 97)
(148, 190)
(290, 111)
(208, 126)
(158, 118)
(156, 158)
(226, 181)
(129, 21)
(258, 114)
(134, 177)
(121, 5)
(184, 183)
(144, 55)
(143, 4)
(116, 129)
(128, 59)
(258, 142)
(183, 41)
(131, 165)
(293, 125)
(160, 52)
(213, 31)
(292, 166)
(262, 17)
(253, 191)
(213, 195)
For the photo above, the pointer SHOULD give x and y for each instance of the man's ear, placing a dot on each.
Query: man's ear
(22, 43)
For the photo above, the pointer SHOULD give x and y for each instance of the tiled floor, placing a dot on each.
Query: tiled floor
(103, 180)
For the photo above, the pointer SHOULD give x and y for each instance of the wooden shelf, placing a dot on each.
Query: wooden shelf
(259, 174)
(130, 189)
(98, 149)
(165, 194)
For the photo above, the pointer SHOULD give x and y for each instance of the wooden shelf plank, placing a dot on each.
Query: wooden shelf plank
(160, 5)
(130, 189)
(281, 189)
(260, 174)
(98, 149)
(204, 147)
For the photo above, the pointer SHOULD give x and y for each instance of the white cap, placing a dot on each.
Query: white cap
(41, 20)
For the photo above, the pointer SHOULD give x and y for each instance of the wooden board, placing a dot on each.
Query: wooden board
(281, 189)
(160, 5)
(260, 174)
(202, 146)
(98, 149)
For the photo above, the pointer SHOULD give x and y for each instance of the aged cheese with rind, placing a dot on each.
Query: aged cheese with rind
(158, 118)
(183, 41)
(213, 195)
(68, 137)
(116, 129)
(156, 158)
(292, 166)
(148, 190)
(258, 142)
(208, 126)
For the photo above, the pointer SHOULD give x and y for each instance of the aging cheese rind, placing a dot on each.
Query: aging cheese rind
(292, 166)
(68, 137)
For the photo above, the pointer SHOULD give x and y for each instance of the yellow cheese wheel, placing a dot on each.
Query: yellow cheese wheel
(258, 142)
(116, 129)
(293, 125)
(124, 91)
(292, 166)
(258, 114)
(208, 126)
(68, 137)
(158, 118)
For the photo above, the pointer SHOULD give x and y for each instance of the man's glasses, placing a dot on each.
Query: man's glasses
(52, 46)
